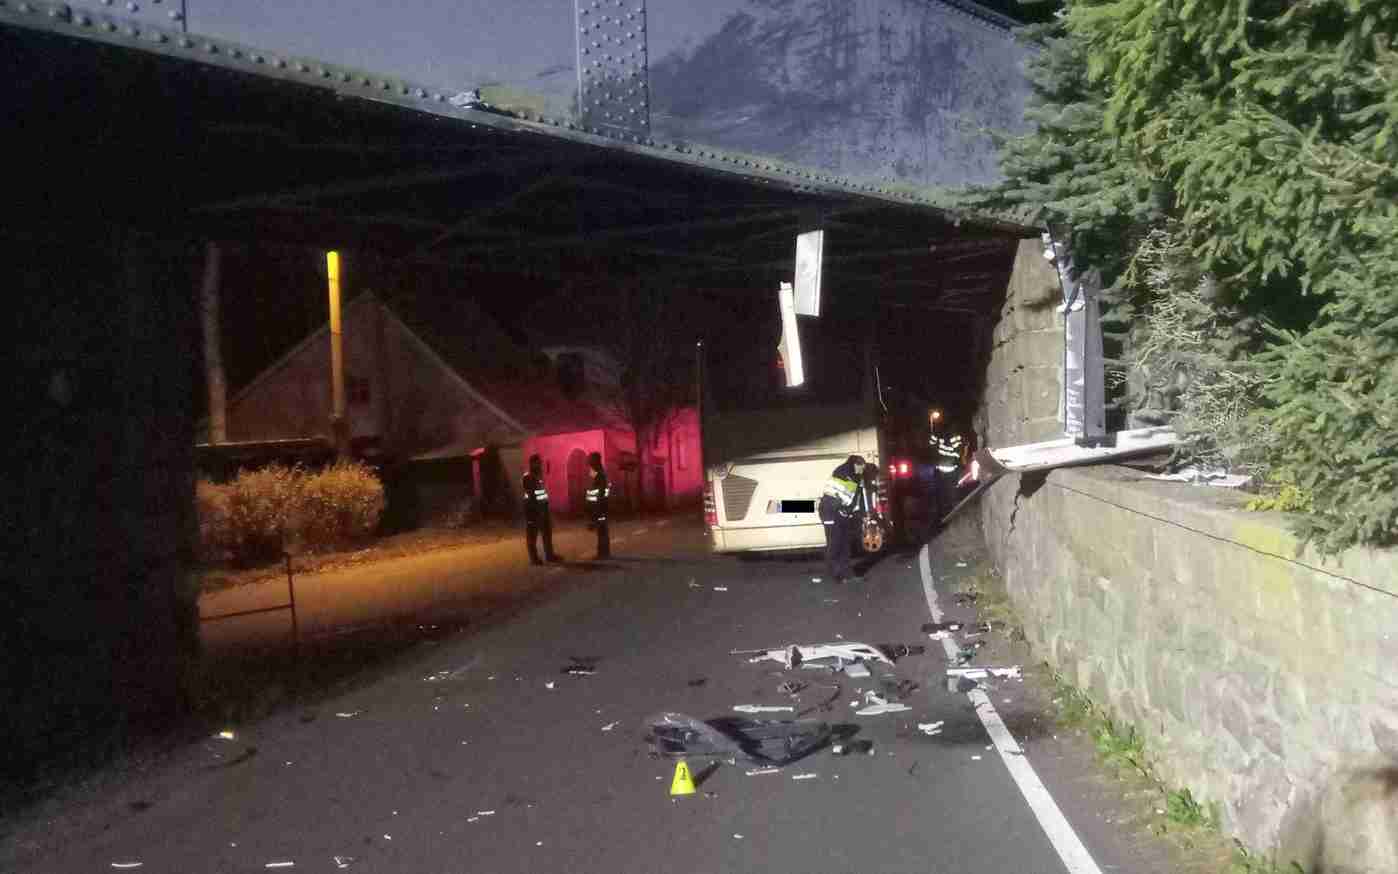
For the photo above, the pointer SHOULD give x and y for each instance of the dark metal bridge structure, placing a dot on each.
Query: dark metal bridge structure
(614, 140)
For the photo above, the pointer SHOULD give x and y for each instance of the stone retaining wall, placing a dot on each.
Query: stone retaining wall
(1264, 681)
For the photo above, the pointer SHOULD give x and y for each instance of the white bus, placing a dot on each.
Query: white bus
(769, 451)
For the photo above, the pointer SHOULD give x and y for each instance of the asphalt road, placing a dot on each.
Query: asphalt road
(477, 753)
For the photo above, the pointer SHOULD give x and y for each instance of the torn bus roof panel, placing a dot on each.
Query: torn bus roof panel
(764, 742)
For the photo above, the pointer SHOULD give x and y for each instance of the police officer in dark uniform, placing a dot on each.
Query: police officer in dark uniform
(597, 495)
(536, 512)
(837, 508)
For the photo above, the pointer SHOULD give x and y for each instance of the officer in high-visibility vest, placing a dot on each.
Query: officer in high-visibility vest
(537, 520)
(948, 448)
(596, 496)
(837, 508)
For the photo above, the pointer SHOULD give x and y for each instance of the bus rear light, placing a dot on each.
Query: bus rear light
(710, 508)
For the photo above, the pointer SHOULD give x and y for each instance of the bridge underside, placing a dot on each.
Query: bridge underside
(104, 132)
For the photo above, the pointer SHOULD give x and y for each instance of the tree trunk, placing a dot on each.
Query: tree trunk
(213, 350)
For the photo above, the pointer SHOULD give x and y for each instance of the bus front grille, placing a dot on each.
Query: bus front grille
(737, 496)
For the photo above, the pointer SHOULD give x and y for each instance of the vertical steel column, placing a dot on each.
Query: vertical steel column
(613, 67)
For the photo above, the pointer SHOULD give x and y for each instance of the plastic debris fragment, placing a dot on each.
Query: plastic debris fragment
(876, 706)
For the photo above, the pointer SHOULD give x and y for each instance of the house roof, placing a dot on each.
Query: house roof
(542, 408)
(483, 358)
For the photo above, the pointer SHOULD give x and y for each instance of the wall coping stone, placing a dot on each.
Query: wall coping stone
(1220, 514)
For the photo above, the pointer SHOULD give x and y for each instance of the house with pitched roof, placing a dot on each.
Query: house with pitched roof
(453, 406)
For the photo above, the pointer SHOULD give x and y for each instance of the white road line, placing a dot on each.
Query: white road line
(1070, 847)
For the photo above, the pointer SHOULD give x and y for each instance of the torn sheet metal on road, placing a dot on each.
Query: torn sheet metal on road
(764, 708)
(877, 705)
(1011, 673)
(834, 655)
(762, 742)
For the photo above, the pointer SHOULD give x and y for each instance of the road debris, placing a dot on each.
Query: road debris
(975, 758)
(1010, 673)
(804, 776)
(833, 655)
(931, 728)
(858, 746)
(720, 588)
(697, 682)
(452, 673)
(611, 725)
(581, 666)
(877, 705)
(694, 585)
(856, 670)
(226, 735)
(549, 684)
(737, 836)
(763, 708)
(348, 714)
(933, 627)
(280, 865)
(485, 813)
(756, 771)
(961, 564)
(815, 579)
(762, 742)
(126, 865)
(897, 651)
(343, 861)
(791, 687)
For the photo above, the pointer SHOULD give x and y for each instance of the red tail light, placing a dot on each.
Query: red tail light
(710, 508)
(902, 468)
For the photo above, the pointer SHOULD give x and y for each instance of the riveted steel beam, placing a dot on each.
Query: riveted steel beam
(118, 28)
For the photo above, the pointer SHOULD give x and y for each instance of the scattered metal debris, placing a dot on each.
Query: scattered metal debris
(838, 653)
(485, 813)
(609, 726)
(343, 861)
(877, 705)
(931, 728)
(804, 776)
(720, 588)
(125, 865)
(763, 708)
(791, 687)
(815, 579)
(934, 627)
(856, 670)
(348, 714)
(549, 684)
(755, 771)
(280, 865)
(961, 564)
(1010, 673)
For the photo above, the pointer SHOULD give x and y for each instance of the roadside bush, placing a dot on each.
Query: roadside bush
(339, 504)
(261, 505)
